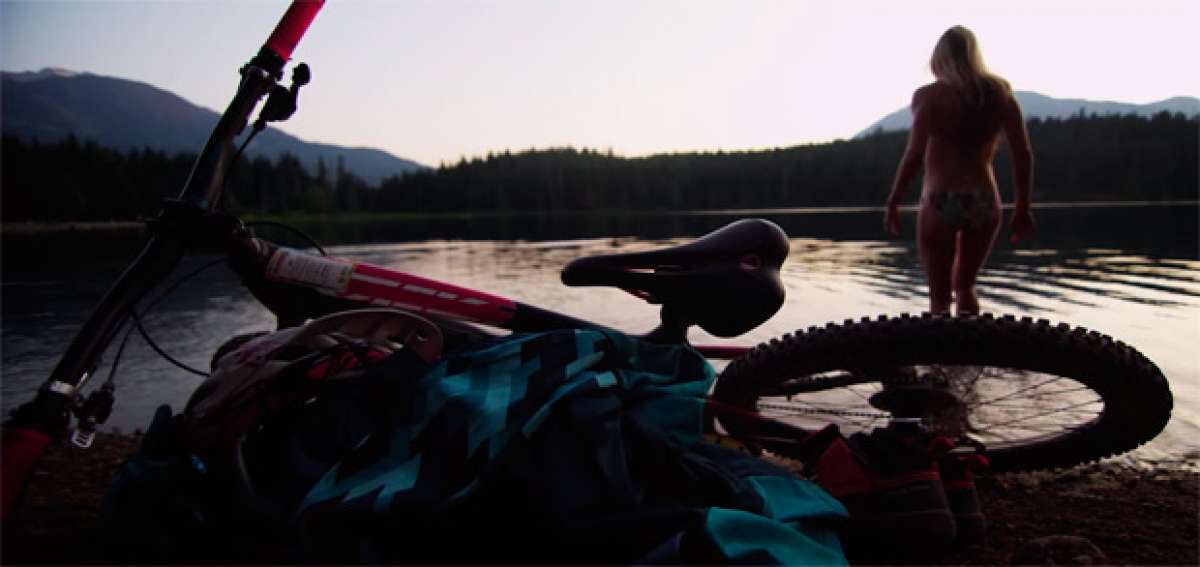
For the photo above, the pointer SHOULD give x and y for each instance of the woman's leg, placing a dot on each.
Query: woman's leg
(935, 244)
(974, 245)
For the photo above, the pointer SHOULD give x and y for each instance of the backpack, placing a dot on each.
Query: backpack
(564, 446)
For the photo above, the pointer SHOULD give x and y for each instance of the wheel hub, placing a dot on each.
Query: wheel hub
(911, 396)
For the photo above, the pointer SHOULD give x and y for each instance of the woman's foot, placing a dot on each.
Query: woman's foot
(966, 302)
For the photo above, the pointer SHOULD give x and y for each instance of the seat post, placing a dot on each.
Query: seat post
(671, 330)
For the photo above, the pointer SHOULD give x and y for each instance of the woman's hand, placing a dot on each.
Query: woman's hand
(891, 219)
(1021, 224)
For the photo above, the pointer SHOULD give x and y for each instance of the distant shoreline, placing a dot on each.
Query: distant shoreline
(31, 228)
(871, 209)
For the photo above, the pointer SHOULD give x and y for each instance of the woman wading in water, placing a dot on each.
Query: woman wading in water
(957, 124)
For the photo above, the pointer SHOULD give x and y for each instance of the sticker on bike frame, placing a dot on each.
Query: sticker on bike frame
(330, 275)
(375, 285)
(385, 287)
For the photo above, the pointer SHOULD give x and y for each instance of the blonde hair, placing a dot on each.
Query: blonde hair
(956, 61)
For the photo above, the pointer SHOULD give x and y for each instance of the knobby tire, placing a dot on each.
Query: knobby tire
(1136, 399)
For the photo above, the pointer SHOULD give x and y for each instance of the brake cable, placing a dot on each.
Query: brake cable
(97, 407)
(137, 316)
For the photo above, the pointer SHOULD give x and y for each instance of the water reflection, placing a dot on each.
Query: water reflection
(1137, 285)
(1012, 278)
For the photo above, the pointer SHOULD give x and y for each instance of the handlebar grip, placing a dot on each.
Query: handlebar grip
(292, 27)
(22, 447)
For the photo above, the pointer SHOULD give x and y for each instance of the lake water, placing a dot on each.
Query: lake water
(1131, 271)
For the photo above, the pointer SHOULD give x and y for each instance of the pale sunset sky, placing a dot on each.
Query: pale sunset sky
(438, 80)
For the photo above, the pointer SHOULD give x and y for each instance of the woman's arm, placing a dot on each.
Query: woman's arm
(910, 162)
(1022, 166)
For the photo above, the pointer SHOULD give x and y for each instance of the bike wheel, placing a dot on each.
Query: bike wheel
(1030, 394)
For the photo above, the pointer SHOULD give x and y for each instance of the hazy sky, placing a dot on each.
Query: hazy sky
(440, 79)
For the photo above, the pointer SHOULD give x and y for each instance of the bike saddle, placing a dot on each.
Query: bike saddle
(726, 281)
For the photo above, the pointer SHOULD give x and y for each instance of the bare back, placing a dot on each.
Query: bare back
(962, 137)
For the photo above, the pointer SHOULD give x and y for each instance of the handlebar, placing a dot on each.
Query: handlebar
(292, 27)
(201, 193)
(202, 190)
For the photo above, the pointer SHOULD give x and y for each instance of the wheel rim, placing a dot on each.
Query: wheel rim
(999, 408)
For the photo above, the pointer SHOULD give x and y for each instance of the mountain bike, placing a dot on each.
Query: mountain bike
(1026, 394)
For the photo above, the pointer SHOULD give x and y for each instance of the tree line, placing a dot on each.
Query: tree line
(1080, 158)
(72, 181)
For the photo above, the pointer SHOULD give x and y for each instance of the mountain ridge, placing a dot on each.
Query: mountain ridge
(1042, 106)
(51, 104)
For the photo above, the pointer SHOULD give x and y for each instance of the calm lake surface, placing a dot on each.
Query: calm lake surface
(1130, 271)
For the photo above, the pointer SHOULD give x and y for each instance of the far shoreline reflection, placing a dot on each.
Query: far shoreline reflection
(1161, 230)
(1131, 272)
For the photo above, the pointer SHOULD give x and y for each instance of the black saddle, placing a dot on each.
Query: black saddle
(726, 281)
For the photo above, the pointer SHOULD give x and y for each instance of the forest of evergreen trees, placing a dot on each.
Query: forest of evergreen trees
(1082, 158)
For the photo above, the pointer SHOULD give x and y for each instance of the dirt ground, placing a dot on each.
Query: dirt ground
(1135, 516)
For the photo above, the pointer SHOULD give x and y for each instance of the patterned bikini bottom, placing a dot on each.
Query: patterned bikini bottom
(961, 209)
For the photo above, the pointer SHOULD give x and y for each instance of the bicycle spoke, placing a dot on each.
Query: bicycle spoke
(855, 392)
(1035, 407)
(1067, 390)
(1046, 429)
(1050, 412)
(1050, 380)
(998, 439)
(1043, 394)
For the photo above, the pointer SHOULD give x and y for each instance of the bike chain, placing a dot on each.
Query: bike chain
(802, 410)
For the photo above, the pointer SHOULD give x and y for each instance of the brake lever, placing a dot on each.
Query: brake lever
(282, 102)
(93, 412)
